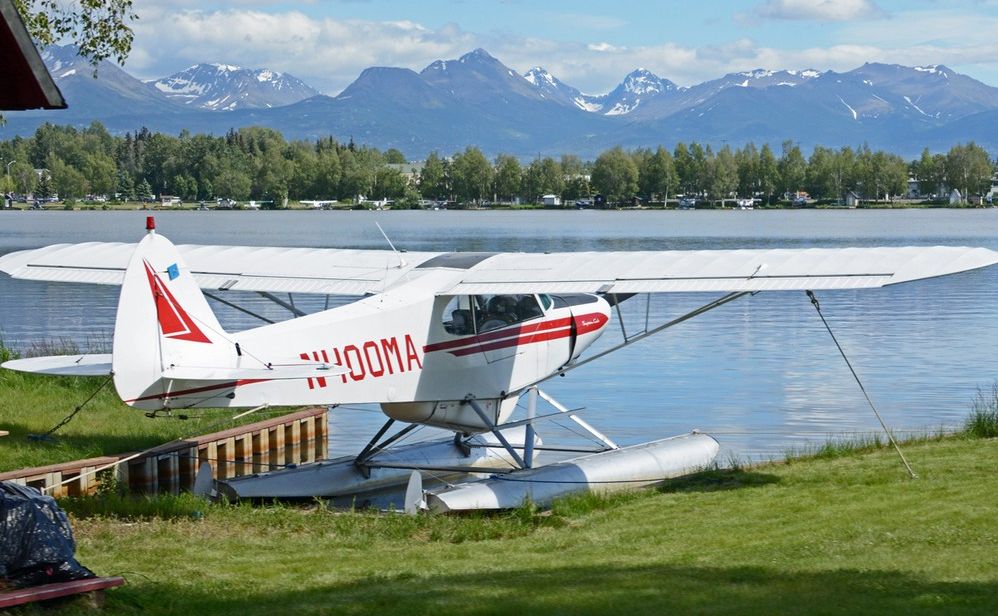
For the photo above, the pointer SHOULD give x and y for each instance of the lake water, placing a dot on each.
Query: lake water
(760, 373)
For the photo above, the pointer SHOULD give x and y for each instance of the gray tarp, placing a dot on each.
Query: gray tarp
(36, 542)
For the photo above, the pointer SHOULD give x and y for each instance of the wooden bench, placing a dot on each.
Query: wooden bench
(60, 589)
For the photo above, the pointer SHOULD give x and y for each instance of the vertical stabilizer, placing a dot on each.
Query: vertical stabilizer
(163, 321)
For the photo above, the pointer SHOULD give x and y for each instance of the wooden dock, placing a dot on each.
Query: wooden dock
(171, 468)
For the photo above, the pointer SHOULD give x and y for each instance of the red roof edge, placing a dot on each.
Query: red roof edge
(27, 84)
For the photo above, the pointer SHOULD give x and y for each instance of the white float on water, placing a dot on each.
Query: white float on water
(617, 469)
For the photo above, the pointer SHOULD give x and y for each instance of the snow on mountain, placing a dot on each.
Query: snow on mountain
(554, 89)
(477, 100)
(226, 87)
(112, 88)
(638, 86)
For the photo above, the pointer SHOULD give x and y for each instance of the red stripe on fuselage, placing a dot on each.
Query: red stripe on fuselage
(523, 335)
(499, 334)
(197, 390)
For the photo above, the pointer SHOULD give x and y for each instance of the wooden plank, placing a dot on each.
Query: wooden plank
(59, 589)
(62, 467)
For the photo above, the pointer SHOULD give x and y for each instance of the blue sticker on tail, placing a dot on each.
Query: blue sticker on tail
(173, 271)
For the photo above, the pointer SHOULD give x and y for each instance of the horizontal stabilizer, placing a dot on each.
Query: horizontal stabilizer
(275, 372)
(63, 365)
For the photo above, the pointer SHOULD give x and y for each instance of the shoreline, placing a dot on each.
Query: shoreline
(60, 207)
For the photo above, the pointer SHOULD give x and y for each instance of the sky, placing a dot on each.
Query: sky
(588, 44)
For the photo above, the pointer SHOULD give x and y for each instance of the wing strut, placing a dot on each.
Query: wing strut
(649, 332)
(238, 307)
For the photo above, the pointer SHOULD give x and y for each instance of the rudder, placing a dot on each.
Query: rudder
(163, 320)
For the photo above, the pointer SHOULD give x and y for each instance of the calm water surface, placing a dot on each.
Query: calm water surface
(760, 373)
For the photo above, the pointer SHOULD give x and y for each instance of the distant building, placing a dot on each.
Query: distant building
(551, 200)
(955, 197)
(410, 171)
(852, 199)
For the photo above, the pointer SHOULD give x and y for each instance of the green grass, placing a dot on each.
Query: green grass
(850, 534)
(983, 419)
(841, 531)
(32, 404)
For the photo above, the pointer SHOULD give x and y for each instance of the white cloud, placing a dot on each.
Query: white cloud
(817, 10)
(329, 53)
(326, 53)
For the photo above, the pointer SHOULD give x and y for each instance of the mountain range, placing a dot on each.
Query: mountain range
(477, 100)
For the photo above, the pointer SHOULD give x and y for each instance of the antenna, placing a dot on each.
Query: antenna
(402, 262)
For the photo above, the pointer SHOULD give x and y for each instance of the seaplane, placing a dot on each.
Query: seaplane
(453, 340)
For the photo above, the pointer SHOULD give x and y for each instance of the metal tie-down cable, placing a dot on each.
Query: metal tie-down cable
(890, 436)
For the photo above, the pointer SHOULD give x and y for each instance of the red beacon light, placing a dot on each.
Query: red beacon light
(150, 223)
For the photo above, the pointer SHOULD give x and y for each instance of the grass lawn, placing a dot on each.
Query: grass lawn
(845, 535)
(842, 533)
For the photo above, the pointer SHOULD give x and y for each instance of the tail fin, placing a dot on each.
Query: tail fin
(170, 351)
(163, 321)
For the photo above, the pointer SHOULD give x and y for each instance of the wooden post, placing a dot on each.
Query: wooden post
(261, 450)
(293, 439)
(168, 473)
(121, 474)
(276, 447)
(209, 454)
(188, 463)
(150, 478)
(244, 455)
(322, 436)
(308, 436)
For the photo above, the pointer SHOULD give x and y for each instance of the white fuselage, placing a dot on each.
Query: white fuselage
(403, 351)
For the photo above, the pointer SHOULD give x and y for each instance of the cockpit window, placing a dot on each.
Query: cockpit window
(495, 311)
(470, 314)
(546, 301)
(458, 316)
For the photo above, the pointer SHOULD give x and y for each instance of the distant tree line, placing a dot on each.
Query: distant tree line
(258, 163)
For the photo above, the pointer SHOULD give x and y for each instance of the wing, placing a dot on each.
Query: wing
(243, 268)
(358, 272)
(716, 270)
